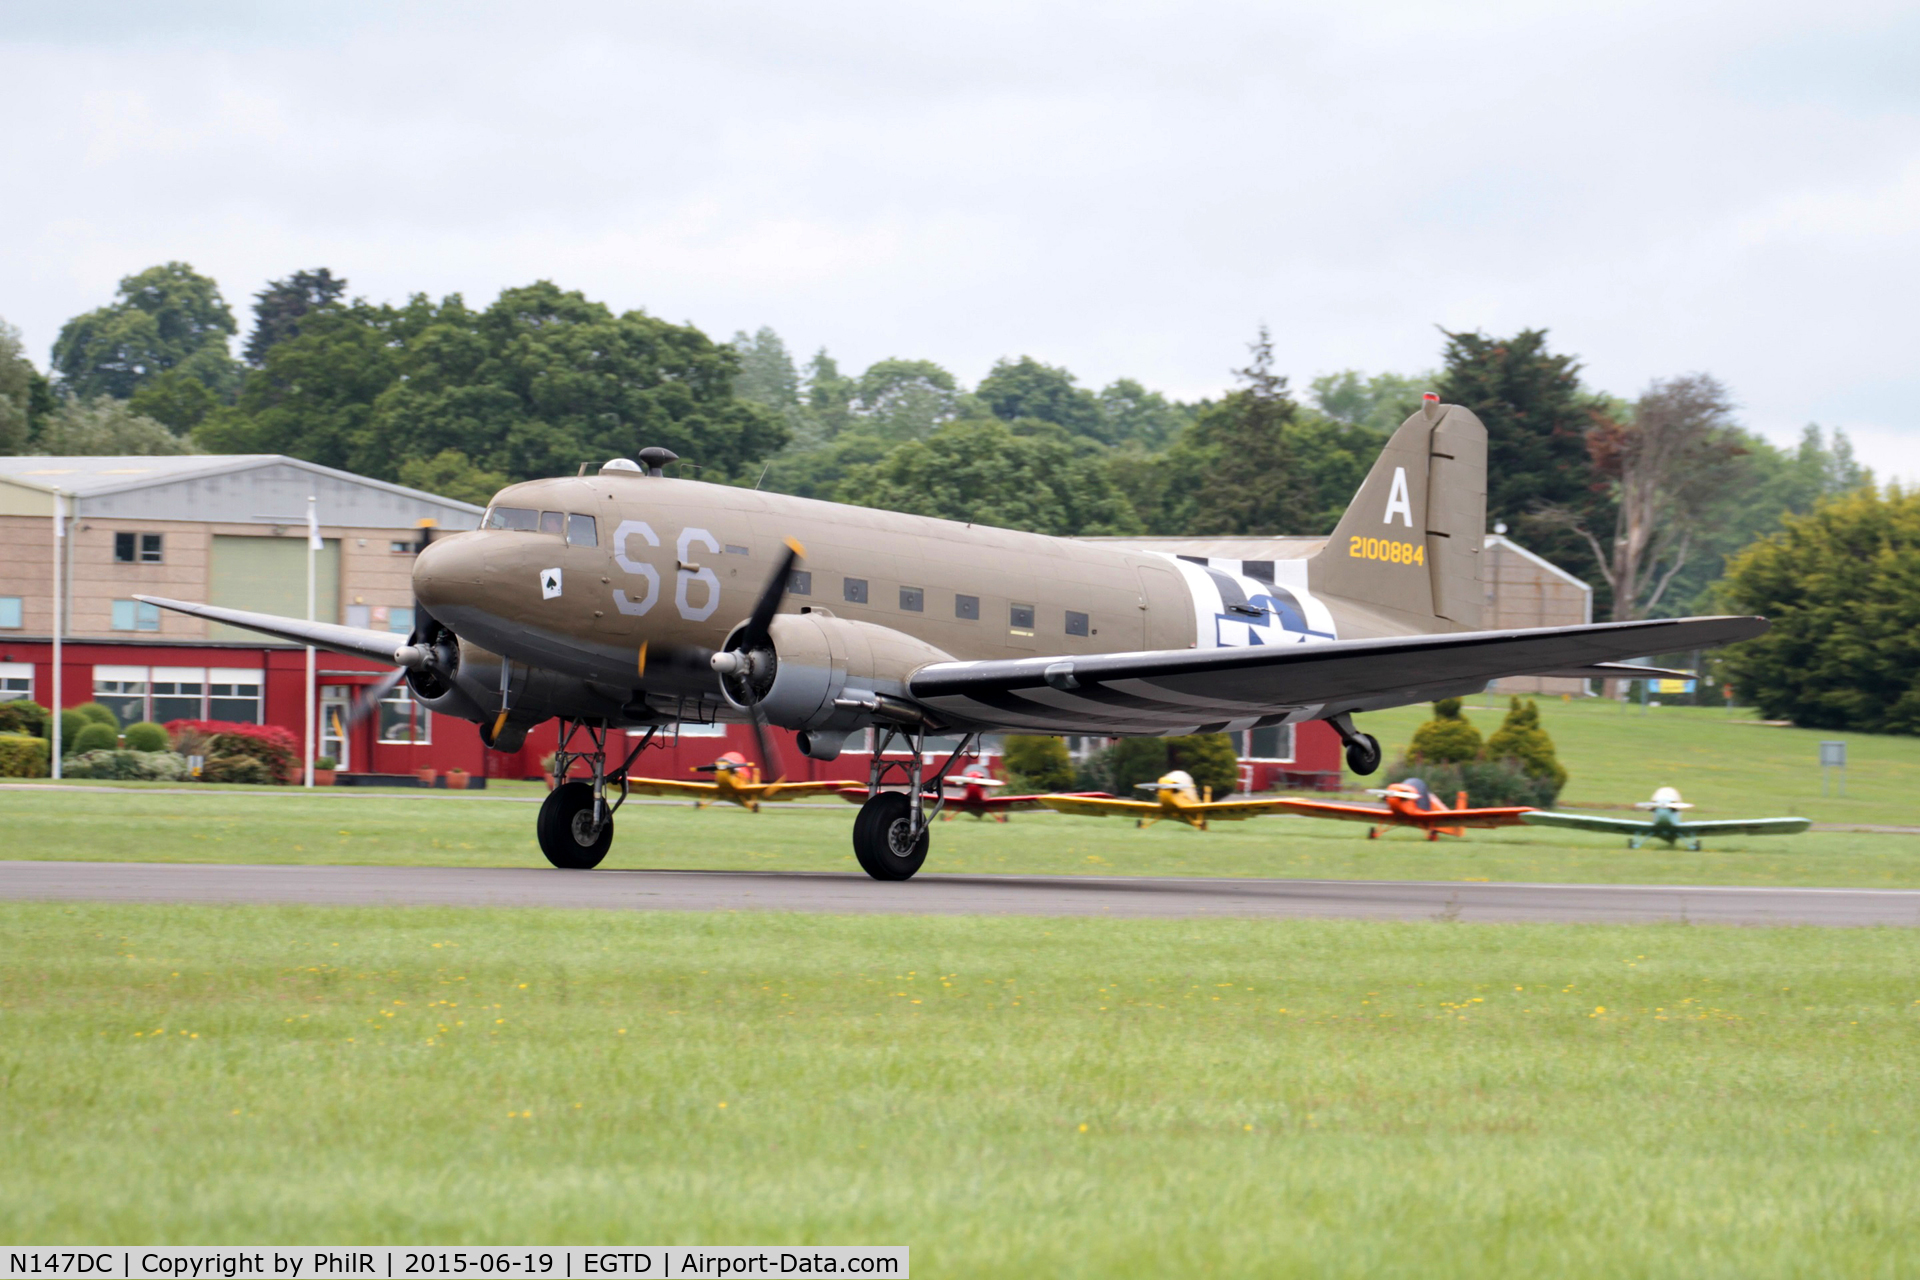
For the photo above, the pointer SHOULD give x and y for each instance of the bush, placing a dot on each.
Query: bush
(22, 715)
(1521, 738)
(23, 756)
(1211, 760)
(1486, 782)
(1445, 739)
(71, 723)
(95, 736)
(1133, 760)
(247, 769)
(1038, 764)
(99, 713)
(279, 760)
(325, 762)
(141, 766)
(145, 735)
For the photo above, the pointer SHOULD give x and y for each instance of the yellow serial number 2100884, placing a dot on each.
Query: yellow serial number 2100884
(1393, 552)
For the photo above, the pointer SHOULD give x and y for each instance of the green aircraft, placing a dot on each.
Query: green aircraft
(1666, 823)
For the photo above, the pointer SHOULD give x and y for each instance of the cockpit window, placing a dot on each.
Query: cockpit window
(521, 518)
(581, 532)
(552, 522)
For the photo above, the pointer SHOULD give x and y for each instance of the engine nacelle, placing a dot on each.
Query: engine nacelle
(821, 659)
(471, 691)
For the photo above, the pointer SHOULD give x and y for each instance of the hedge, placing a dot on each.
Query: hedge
(22, 756)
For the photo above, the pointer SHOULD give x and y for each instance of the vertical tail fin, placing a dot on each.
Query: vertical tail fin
(1409, 544)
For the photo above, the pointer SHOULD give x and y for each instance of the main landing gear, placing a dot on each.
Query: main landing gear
(575, 826)
(890, 833)
(1363, 749)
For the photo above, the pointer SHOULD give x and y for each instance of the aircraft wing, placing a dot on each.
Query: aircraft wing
(788, 790)
(361, 642)
(1204, 690)
(1586, 822)
(1095, 807)
(1748, 827)
(672, 787)
(1236, 810)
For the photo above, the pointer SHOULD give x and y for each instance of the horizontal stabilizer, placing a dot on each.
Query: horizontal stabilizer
(361, 642)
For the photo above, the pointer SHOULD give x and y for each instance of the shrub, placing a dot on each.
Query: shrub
(325, 762)
(22, 715)
(1038, 764)
(99, 713)
(280, 760)
(23, 756)
(1486, 782)
(1445, 739)
(71, 723)
(1134, 760)
(1521, 738)
(94, 736)
(145, 735)
(141, 766)
(248, 769)
(1210, 758)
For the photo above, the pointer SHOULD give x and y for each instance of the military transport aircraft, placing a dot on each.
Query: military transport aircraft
(1411, 804)
(735, 781)
(1175, 798)
(1666, 823)
(627, 599)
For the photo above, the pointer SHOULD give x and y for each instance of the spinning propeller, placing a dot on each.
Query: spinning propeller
(747, 665)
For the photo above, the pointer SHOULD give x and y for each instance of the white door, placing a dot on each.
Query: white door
(335, 741)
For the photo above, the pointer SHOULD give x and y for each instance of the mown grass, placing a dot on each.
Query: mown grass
(1006, 1096)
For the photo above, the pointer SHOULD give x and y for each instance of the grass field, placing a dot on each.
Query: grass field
(1007, 1096)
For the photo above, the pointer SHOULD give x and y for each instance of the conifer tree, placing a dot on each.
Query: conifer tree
(1520, 737)
(1445, 739)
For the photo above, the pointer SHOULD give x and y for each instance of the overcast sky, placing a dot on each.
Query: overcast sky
(1125, 189)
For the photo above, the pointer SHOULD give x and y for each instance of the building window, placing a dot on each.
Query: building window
(1076, 623)
(1275, 742)
(400, 620)
(10, 612)
(1020, 619)
(913, 599)
(856, 589)
(800, 582)
(179, 693)
(16, 680)
(400, 548)
(582, 532)
(689, 729)
(123, 691)
(967, 607)
(137, 548)
(233, 695)
(404, 720)
(135, 615)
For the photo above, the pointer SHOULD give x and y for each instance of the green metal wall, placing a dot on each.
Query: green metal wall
(269, 575)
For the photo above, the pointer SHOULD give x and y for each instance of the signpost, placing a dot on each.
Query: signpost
(1833, 755)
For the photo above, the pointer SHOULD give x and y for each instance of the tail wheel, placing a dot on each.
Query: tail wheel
(566, 828)
(883, 838)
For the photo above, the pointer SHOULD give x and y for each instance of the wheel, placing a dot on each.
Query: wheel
(1363, 754)
(565, 828)
(880, 838)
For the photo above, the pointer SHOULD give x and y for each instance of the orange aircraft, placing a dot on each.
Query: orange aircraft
(971, 791)
(1411, 804)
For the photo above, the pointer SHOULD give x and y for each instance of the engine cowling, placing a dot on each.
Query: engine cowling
(465, 682)
(819, 660)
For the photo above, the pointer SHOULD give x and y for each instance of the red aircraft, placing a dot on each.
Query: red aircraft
(1411, 804)
(970, 791)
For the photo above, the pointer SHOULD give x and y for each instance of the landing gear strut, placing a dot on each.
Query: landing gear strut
(890, 833)
(575, 826)
(1363, 749)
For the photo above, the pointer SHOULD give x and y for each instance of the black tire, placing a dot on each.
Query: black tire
(1363, 754)
(880, 838)
(564, 827)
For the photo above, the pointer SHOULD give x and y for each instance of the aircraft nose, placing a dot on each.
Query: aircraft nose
(448, 570)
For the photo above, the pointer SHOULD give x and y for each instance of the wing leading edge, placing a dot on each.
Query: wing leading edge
(1188, 690)
(362, 642)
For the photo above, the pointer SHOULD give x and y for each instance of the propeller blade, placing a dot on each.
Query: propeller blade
(755, 634)
(373, 695)
(770, 766)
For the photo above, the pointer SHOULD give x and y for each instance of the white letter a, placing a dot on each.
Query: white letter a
(1397, 499)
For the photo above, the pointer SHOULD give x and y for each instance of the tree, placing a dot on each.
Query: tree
(1133, 417)
(279, 308)
(451, 474)
(176, 399)
(1380, 402)
(1666, 462)
(1209, 759)
(1036, 763)
(903, 399)
(1520, 737)
(1447, 738)
(1026, 476)
(1841, 587)
(1537, 418)
(829, 396)
(16, 392)
(104, 427)
(1243, 477)
(166, 317)
(1025, 388)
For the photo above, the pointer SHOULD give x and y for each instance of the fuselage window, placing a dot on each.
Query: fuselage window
(1020, 619)
(913, 599)
(1076, 623)
(581, 532)
(967, 607)
(734, 550)
(856, 590)
(800, 582)
(521, 518)
(553, 522)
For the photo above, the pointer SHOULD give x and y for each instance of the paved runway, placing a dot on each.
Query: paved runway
(950, 895)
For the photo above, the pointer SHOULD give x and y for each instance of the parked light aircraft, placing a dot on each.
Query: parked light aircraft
(1411, 804)
(971, 791)
(1666, 823)
(629, 599)
(1176, 798)
(735, 781)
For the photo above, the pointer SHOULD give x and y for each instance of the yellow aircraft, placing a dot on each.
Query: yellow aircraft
(1179, 800)
(735, 781)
